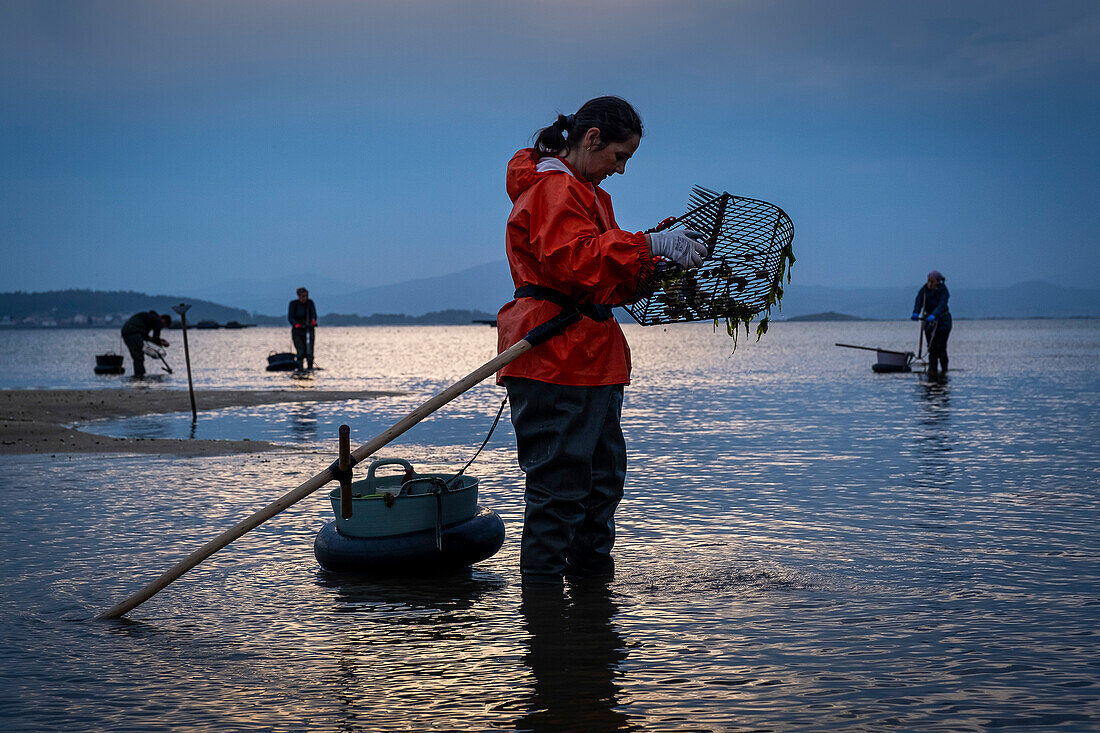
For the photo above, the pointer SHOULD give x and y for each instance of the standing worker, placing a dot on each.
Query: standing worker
(930, 307)
(142, 327)
(564, 249)
(302, 315)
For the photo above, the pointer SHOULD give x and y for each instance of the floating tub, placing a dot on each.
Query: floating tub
(282, 362)
(413, 522)
(893, 361)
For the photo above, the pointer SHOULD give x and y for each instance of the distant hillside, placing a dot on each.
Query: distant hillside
(271, 296)
(477, 293)
(487, 287)
(482, 288)
(828, 316)
(1022, 300)
(103, 308)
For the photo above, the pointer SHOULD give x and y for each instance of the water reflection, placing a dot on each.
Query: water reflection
(452, 592)
(935, 437)
(574, 652)
(935, 401)
(303, 421)
(803, 547)
(387, 630)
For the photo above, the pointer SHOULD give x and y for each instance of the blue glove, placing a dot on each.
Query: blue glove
(915, 316)
(931, 318)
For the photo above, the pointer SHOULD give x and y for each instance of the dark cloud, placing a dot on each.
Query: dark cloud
(119, 46)
(340, 122)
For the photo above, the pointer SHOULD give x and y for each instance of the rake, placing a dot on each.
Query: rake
(749, 250)
(157, 352)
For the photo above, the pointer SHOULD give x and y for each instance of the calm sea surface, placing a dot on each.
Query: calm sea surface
(804, 545)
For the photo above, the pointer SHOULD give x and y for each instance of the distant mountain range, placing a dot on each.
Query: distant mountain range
(479, 291)
(91, 308)
(482, 288)
(103, 308)
(488, 286)
(272, 296)
(1023, 300)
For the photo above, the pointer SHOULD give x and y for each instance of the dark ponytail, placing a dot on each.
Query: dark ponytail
(612, 116)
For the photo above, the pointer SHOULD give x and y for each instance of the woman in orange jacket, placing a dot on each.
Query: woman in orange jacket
(564, 249)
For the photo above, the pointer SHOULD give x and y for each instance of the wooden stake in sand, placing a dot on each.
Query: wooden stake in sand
(532, 339)
(182, 309)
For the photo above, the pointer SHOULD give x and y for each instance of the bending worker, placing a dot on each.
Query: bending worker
(302, 315)
(142, 327)
(564, 248)
(931, 308)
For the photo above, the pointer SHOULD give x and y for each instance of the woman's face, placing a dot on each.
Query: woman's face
(933, 283)
(609, 160)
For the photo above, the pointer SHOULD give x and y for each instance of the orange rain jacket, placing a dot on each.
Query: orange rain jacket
(562, 235)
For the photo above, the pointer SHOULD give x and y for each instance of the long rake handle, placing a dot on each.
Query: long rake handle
(532, 339)
(920, 325)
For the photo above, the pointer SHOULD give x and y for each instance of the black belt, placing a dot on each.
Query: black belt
(538, 292)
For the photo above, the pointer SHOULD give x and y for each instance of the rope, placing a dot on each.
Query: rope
(485, 442)
(440, 485)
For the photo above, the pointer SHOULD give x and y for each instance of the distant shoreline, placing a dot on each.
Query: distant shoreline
(36, 421)
(809, 318)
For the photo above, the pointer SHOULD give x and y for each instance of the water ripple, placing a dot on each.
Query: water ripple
(804, 545)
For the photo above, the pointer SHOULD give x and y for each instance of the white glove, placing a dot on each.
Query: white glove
(681, 247)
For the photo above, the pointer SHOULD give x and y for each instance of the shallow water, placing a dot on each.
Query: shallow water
(804, 545)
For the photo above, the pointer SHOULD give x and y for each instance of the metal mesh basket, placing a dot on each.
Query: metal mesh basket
(749, 250)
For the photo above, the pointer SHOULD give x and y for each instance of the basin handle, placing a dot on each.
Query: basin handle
(409, 472)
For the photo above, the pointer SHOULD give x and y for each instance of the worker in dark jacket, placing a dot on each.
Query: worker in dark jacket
(142, 327)
(302, 315)
(930, 307)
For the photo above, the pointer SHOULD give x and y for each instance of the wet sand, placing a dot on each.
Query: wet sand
(35, 421)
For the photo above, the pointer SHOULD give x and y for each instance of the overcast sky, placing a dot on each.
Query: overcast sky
(166, 147)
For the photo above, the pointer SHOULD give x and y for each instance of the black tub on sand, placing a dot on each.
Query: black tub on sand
(109, 364)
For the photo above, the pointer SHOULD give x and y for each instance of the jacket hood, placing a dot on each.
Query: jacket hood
(521, 173)
(524, 171)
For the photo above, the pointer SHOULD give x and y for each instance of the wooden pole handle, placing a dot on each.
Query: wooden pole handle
(293, 497)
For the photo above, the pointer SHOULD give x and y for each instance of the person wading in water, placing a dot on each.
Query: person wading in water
(564, 248)
(142, 327)
(302, 315)
(930, 307)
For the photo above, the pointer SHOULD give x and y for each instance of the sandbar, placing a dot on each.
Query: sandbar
(36, 421)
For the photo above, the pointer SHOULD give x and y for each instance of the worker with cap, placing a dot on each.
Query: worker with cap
(930, 308)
